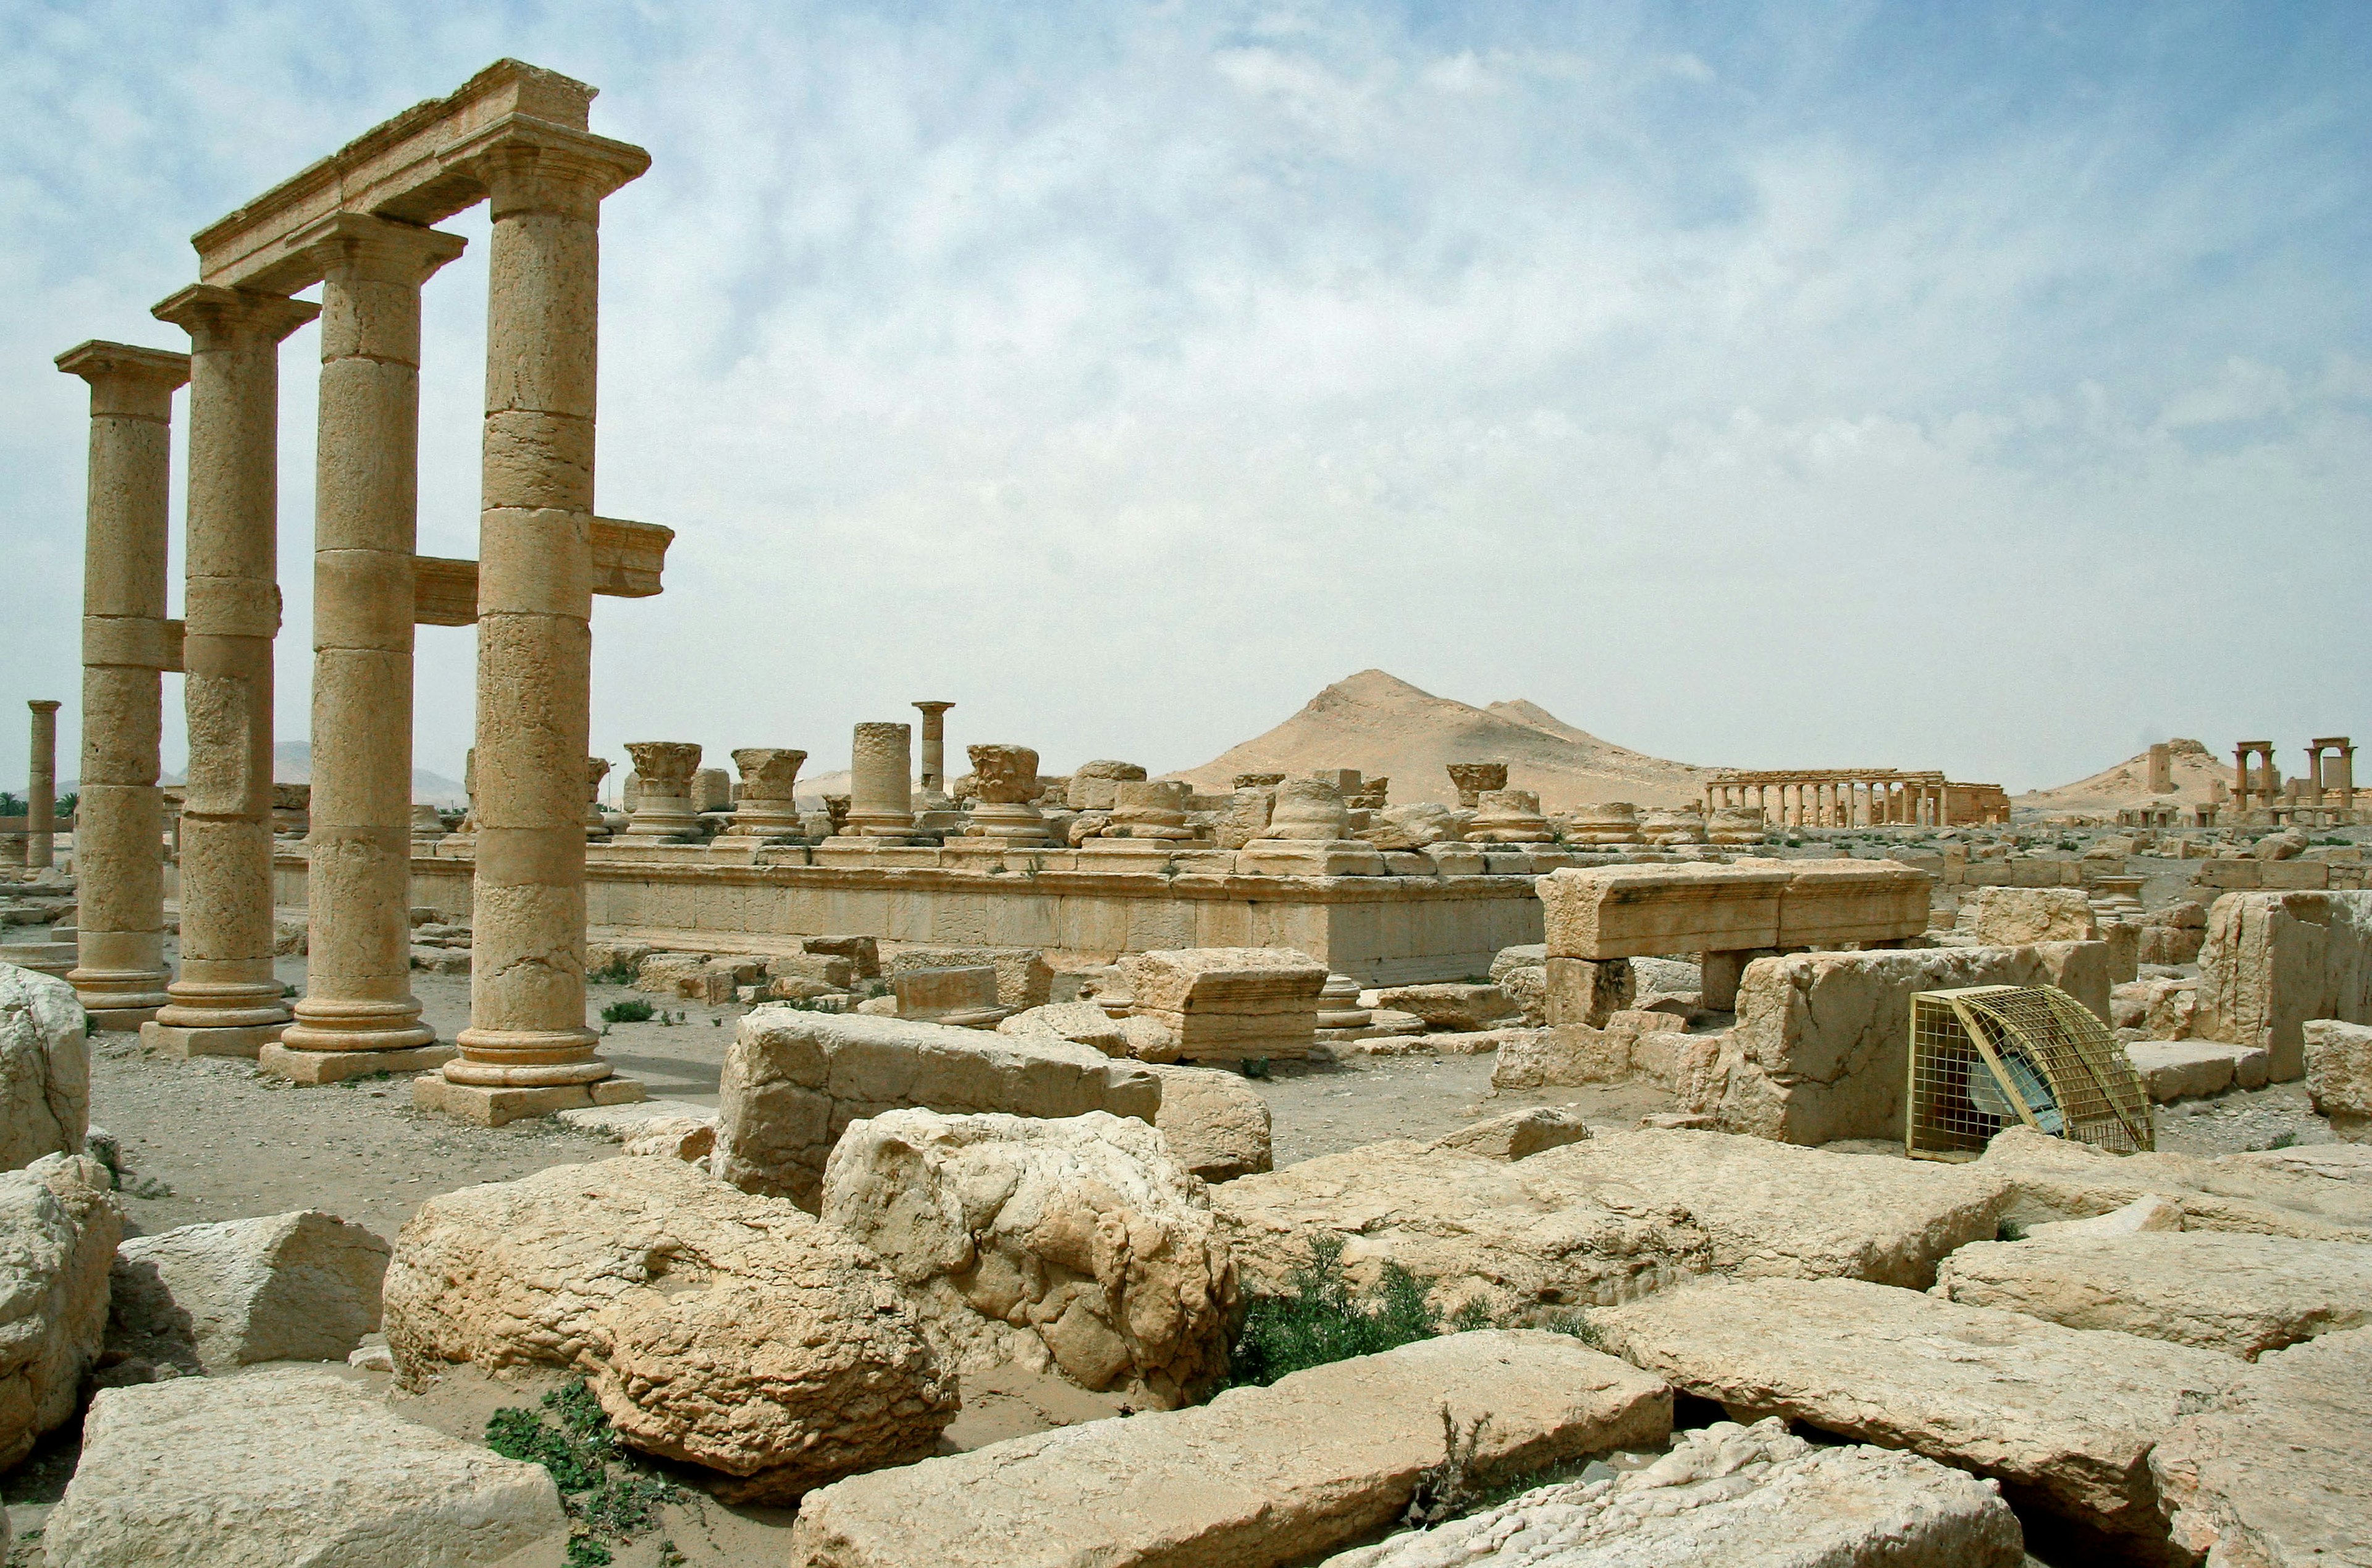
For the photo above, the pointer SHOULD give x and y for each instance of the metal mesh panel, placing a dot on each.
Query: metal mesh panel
(1983, 1057)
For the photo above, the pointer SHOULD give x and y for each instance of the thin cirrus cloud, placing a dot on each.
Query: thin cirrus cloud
(1771, 385)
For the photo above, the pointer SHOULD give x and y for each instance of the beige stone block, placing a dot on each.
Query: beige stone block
(1830, 902)
(498, 1106)
(1622, 911)
(2271, 961)
(173, 1039)
(337, 1066)
(1587, 991)
(2008, 917)
(2339, 1075)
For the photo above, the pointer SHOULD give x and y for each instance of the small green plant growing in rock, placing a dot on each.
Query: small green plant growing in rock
(633, 1010)
(610, 1495)
(1324, 1319)
(1446, 1490)
(617, 971)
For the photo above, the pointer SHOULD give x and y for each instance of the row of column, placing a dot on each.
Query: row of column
(1824, 803)
(535, 578)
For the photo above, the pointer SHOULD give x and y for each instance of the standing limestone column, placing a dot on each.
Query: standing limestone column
(41, 787)
(934, 751)
(881, 793)
(596, 770)
(358, 1015)
(226, 1001)
(528, 1050)
(662, 811)
(127, 643)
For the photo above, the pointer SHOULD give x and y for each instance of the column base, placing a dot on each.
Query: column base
(239, 1039)
(121, 1019)
(336, 1067)
(487, 1105)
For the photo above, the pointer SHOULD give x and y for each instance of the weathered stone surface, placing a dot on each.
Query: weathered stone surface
(2339, 1075)
(2143, 1216)
(2321, 1193)
(1525, 954)
(2015, 917)
(1078, 1244)
(1450, 1004)
(1024, 977)
(717, 1327)
(1623, 911)
(2063, 1417)
(1216, 1125)
(1229, 1003)
(1517, 1134)
(301, 1286)
(1258, 1477)
(1569, 1054)
(1587, 991)
(1732, 1496)
(1082, 1023)
(58, 1230)
(2273, 1473)
(2273, 960)
(44, 1068)
(1818, 1053)
(284, 1465)
(1527, 988)
(2172, 1070)
(793, 1081)
(1606, 1219)
(688, 1138)
(2220, 1290)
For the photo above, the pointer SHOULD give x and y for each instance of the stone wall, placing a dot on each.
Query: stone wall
(2273, 960)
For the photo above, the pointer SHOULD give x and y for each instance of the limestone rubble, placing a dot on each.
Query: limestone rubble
(59, 1226)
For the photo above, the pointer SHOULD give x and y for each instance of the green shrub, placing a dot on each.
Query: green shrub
(1324, 1321)
(633, 1010)
(615, 972)
(611, 1494)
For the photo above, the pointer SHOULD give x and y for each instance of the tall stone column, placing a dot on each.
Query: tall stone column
(127, 643)
(41, 786)
(934, 751)
(528, 1050)
(881, 794)
(226, 1001)
(358, 1015)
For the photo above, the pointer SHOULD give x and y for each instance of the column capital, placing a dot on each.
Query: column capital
(527, 163)
(935, 707)
(127, 381)
(376, 250)
(45, 705)
(214, 316)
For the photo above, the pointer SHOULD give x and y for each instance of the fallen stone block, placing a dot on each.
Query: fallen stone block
(1216, 1125)
(718, 1328)
(793, 1081)
(1731, 1496)
(1634, 1043)
(864, 952)
(2339, 1075)
(1077, 1244)
(2172, 1070)
(2239, 1294)
(1258, 1478)
(301, 1286)
(2062, 1418)
(2015, 917)
(1527, 988)
(688, 1138)
(2273, 960)
(1585, 992)
(1083, 1023)
(1450, 1004)
(2319, 1194)
(963, 997)
(2143, 1216)
(1024, 977)
(286, 1465)
(59, 1226)
(44, 1068)
(2273, 1471)
(1517, 1135)
(1229, 1003)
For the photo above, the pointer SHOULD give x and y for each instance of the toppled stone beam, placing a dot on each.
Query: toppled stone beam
(1633, 912)
(628, 559)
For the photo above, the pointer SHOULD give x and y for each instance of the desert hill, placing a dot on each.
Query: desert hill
(1382, 725)
(2127, 784)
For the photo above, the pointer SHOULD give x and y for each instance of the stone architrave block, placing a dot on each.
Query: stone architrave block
(2064, 1418)
(1256, 1478)
(1732, 1496)
(44, 1068)
(718, 1328)
(2011, 917)
(2272, 961)
(287, 1465)
(1830, 902)
(793, 1082)
(59, 1226)
(1229, 1003)
(1628, 911)
(301, 1286)
(2273, 1471)
(1024, 979)
(2339, 1075)
(2220, 1290)
(1820, 1049)
(1078, 1245)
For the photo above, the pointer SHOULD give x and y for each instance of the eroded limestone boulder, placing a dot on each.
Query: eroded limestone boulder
(2339, 1075)
(1082, 1023)
(1216, 1124)
(301, 1286)
(1079, 1244)
(2273, 1471)
(1256, 1478)
(1732, 1496)
(1451, 1004)
(2316, 1193)
(2064, 1418)
(2220, 1290)
(2013, 917)
(793, 1081)
(59, 1226)
(44, 1068)
(2272, 961)
(717, 1327)
(1517, 1135)
(284, 1465)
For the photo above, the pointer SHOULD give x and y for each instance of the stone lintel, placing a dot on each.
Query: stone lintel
(627, 560)
(398, 169)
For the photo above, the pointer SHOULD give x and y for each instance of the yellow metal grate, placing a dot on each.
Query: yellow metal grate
(1985, 1056)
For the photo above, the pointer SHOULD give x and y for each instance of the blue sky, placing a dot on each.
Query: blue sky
(1984, 387)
